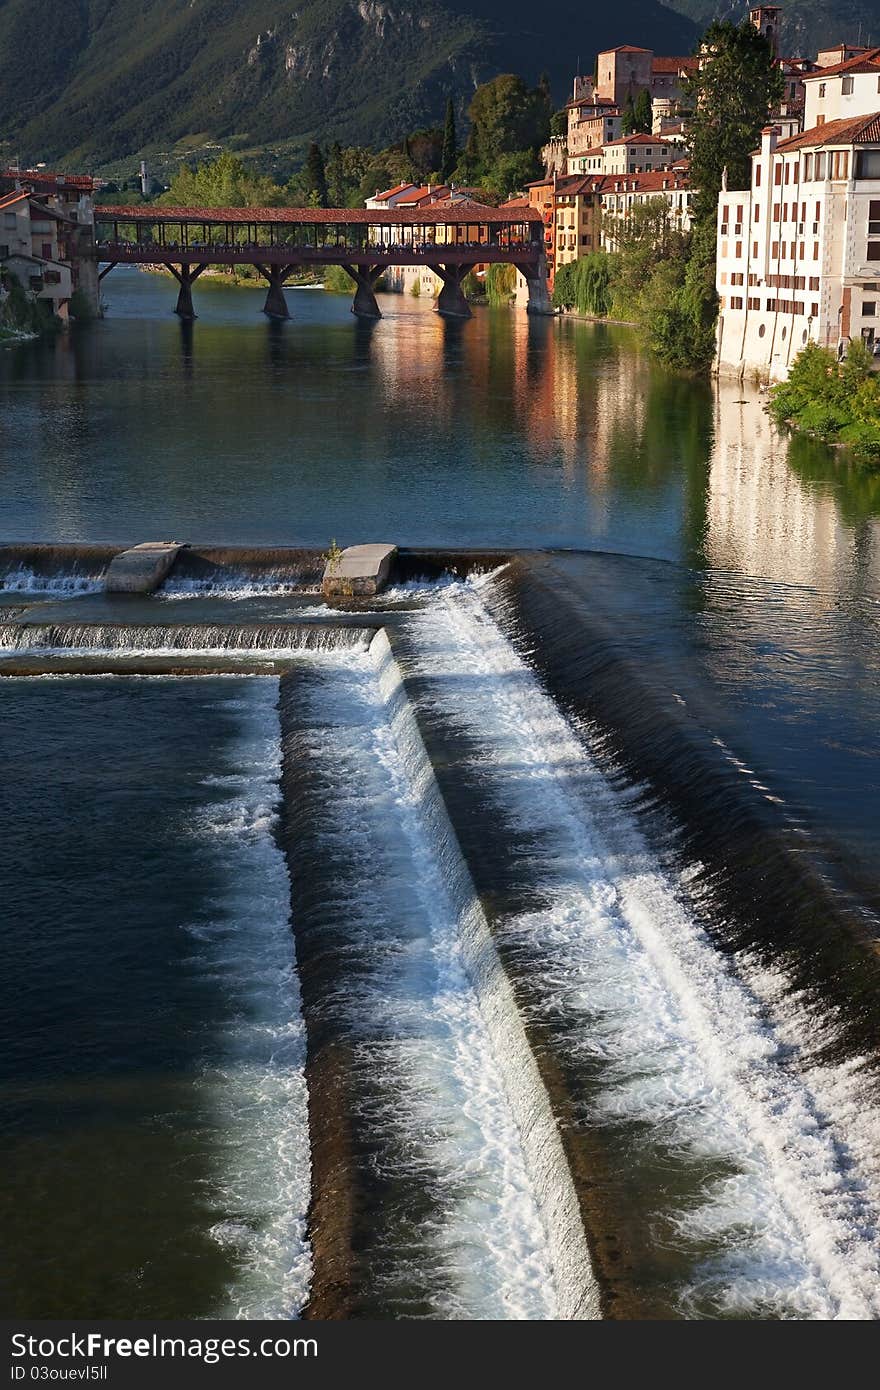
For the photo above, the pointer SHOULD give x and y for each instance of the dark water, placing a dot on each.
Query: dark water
(129, 1010)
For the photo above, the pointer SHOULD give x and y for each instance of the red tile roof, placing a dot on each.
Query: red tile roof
(85, 182)
(869, 61)
(391, 192)
(637, 140)
(675, 64)
(364, 217)
(436, 191)
(849, 130)
(10, 198)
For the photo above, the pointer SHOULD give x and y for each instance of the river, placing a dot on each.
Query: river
(721, 570)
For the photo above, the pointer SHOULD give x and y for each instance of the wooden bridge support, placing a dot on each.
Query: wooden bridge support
(451, 302)
(365, 278)
(186, 277)
(275, 306)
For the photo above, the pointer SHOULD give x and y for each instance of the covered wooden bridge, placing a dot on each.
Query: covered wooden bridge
(450, 238)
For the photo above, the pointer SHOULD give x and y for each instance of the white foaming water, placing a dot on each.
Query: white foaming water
(441, 1078)
(26, 581)
(684, 1044)
(257, 1091)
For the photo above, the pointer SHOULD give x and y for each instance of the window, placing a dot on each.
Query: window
(776, 207)
(757, 176)
(777, 173)
(874, 217)
(808, 166)
(820, 120)
(754, 248)
(756, 212)
(874, 250)
(821, 90)
(867, 164)
(762, 330)
(869, 308)
(846, 87)
(736, 302)
(774, 250)
(820, 166)
(739, 249)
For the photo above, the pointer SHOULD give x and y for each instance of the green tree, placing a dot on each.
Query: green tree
(511, 172)
(449, 156)
(315, 177)
(730, 95)
(224, 182)
(642, 114)
(628, 120)
(506, 117)
(337, 184)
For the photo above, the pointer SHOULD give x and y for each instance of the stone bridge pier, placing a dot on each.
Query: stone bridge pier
(186, 277)
(366, 278)
(451, 302)
(275, 306)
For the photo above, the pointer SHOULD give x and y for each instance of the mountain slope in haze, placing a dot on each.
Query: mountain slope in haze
(807, 25)
(113, 78)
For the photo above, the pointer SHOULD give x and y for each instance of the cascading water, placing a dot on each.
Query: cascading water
(156, 639)
(674, 1054)
(441, 1217)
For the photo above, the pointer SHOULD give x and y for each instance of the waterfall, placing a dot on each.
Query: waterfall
(132, 640)
(663, 1038)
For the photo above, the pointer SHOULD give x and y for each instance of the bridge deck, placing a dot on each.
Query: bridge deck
(458, 234)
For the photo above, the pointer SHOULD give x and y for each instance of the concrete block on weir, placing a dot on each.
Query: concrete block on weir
(360, 569)
(141, 569)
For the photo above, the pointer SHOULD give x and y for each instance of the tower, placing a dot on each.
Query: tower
(766, 19)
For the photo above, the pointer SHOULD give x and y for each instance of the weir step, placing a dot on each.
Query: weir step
(360, 569)
(141, 569)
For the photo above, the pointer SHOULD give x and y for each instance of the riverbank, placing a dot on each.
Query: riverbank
(836, 402)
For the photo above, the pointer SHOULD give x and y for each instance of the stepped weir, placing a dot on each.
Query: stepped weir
(517, 1007)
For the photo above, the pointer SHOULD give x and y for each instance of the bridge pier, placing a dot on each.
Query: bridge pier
(275, 306)
(186, 278)
(451, 302)
(365, 278)
(535, 276)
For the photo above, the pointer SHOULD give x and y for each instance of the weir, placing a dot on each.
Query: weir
(490, 924)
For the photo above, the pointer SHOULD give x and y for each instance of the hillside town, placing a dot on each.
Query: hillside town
(797, 252)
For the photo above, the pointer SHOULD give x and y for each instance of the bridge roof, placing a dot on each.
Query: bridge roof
(446, 214)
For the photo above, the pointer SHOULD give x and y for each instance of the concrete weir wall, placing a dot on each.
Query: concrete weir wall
(141, 569)
(576, 1288)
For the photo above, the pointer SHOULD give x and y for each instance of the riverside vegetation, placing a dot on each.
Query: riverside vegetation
(837, 402)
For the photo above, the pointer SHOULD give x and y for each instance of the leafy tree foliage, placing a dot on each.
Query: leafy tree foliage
(507, 117)
(836, 401)
(730, 97)
(224, 182)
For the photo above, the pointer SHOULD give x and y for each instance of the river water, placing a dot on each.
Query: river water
(160, 1044)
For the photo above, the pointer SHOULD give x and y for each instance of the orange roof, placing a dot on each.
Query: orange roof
(391, 192)
(84, 181)
(675, 64)
(637, 140)
(520, 202)
(11, 198)
(869, 61)
(848, 130)
(436, 191)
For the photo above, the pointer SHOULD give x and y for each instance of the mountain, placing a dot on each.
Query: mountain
(807, 25)
(97, 81)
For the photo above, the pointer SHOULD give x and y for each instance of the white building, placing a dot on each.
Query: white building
(632, 154)
(33, 249)
(799, 251)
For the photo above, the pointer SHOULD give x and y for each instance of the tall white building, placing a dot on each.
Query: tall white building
(799, 251)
